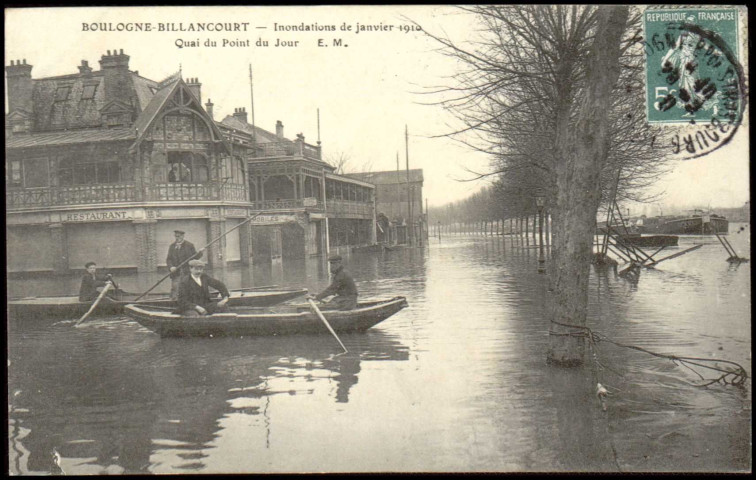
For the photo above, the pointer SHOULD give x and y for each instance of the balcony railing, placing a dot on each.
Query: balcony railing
(184, 191)
(350, 207)
(235, 193)
(73, 195)
(284, 204)
(107, 193)
(309, 151)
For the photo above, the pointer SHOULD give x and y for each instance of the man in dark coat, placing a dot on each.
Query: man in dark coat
(92, 283)
(180, 251)
(194, 292)
(342, 286)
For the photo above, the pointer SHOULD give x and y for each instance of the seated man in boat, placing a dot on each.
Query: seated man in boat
(194, 292)
(342, 286)
(92, 283)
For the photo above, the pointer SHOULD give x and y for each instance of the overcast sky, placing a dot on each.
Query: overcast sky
(366, 91)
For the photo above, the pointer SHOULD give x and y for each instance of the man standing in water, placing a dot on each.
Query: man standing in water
(342, 286)
(180, 251)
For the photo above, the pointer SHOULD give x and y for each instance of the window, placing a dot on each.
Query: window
(232, 170)
(61, 94)
(187, 167)
(89, 92)
(36, 172)
(84, 171)
(107, 172)
(13, 173)
(65, 172)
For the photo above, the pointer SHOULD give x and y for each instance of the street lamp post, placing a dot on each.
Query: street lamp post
(540, 202)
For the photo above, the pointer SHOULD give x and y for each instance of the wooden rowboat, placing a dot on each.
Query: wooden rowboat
(278, 320)
(69, 306)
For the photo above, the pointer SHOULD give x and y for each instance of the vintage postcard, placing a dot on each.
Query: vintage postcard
(421, 238)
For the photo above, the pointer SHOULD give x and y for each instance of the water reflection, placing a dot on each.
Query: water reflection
(456, 382)
(125, 400)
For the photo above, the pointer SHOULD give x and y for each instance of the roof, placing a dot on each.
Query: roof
(389, 177)
(53, 113)
(158, 102)
(151, 110)
(262, 135)
(69, 137)
(143, 87)
(347, 178)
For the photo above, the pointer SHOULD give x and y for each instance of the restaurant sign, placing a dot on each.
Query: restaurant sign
(98, 216)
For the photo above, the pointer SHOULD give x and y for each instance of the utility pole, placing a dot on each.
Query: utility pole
(252, 99)
(427, 220)
(410, 225)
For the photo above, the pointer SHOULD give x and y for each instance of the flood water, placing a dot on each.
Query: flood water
(458, 381)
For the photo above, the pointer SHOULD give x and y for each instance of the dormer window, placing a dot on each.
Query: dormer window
(88, 92)
(153, 90)
(61, 94)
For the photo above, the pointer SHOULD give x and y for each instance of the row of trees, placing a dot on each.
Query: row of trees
(555, 95)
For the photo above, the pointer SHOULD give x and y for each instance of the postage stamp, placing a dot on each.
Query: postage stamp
(692, 63)
(695, 79)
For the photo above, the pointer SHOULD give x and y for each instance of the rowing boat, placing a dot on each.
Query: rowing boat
(69, 306)
(279, 320)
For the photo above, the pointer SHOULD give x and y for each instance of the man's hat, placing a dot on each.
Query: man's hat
(179, 231)
(334, 258)
(196, 263)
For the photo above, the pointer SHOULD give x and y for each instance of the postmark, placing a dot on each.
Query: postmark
(695, 83)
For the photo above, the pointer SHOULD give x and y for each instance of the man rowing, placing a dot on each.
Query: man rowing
(342, 287)
(194, 292)
(92, 283)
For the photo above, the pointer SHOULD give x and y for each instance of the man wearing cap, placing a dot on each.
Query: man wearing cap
(92, 283)
(342, 286)
(180, 251)
(194, 292)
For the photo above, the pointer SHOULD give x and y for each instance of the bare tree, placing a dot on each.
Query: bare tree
(339, 161)
(554, 94)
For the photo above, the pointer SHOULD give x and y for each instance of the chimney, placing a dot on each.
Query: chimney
(19, 86)
(84, 68)
(279, 129)
(117, 80)
(195, 87)
(209, 107)
(241, 114)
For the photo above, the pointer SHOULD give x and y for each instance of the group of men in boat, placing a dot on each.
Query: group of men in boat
(190, 286)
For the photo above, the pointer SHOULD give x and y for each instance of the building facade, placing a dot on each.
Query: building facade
(103, 166)
(309, 210)
(399, 204)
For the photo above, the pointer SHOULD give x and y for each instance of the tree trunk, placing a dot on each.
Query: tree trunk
(583, 146)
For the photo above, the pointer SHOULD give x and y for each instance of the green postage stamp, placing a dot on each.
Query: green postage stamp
(693, 72)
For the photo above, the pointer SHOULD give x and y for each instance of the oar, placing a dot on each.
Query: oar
(330, 329)
(102, 294)
(192, 257)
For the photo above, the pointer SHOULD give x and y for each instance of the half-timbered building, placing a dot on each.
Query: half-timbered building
(104, 165)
